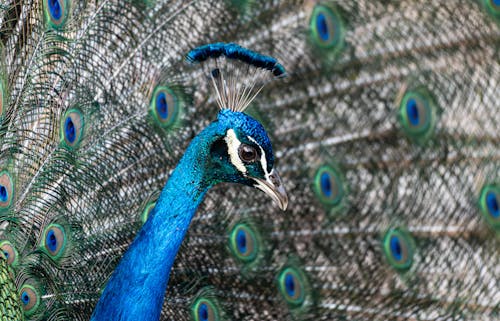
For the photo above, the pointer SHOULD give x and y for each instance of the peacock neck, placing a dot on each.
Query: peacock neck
(136, 289)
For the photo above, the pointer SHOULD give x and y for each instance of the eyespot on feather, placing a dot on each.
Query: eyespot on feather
(293, 286)
(328, 185)
(489, 204)
(327, 27)
(72, 128)
(10, 252)
(6, 190)
(205, 309)
(165, 106)
(418, 114)
(56, 13)
(244, 242)
(399, 249)
(54, 241)
(30, 299)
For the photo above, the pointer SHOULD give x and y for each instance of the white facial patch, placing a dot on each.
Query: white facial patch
(233, 144)
(263, 160)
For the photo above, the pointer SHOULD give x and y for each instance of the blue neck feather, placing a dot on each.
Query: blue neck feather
(137, 287)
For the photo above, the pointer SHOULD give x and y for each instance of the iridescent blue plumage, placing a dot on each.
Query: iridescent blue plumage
(137, 286)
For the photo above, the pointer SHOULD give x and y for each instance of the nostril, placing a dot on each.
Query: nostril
(274, 179)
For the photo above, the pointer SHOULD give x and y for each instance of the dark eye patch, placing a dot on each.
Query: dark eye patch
(219, 148)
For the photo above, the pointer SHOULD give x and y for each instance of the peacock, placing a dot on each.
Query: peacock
(124, 126)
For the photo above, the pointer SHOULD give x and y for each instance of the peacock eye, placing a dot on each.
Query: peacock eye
(6, 189)
(489, 202)
(72, 128)
(399, 248)
(54, 241)
(9, 252)
(56, 12)
(206, 309)
(293, 286)
(247, 153)
(165, 106)
(244, 242)
(30, 299)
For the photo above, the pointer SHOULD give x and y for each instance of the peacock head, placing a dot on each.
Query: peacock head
(241, 152)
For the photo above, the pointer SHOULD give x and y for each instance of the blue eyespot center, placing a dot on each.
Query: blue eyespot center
(203, 312)
(293, 286)
(244, 243)
(241, 241)
(4, 195)
(496, 3)
(55, 9)
(162, 105)
(492, 204)
(69, 128)
(418, 114)
(6, 254)
(412, 111)
(165, 106)
(399, 248)
(290, 284)
(329, 187)
(326, 184)
(51, 241)
(396, 249)
(322, 26)
(25, 298)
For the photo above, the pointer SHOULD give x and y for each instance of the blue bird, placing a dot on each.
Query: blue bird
(121, 198)
(235, 148)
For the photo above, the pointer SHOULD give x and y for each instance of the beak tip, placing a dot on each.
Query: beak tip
(283, 205)
(274, 188)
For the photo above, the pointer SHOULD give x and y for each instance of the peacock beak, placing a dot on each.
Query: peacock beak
(273, 187)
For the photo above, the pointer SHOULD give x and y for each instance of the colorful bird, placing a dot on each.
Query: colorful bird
(383, 117)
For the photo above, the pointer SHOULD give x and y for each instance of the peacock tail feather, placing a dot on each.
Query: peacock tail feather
(385, 130)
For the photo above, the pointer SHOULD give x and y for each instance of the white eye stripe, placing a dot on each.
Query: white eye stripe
(233, 144)
(263, 160)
